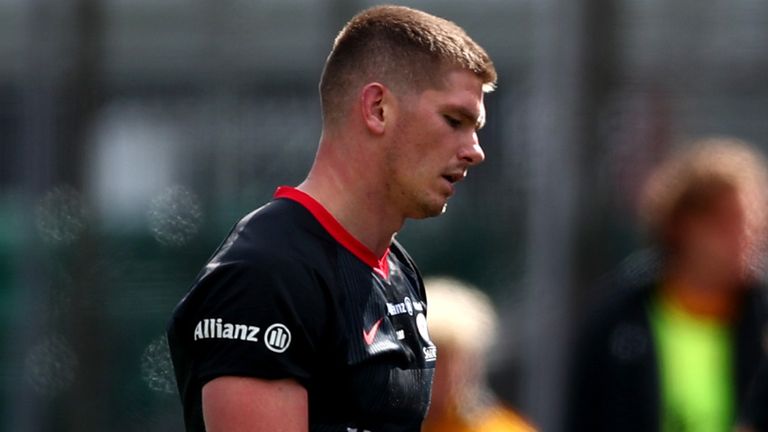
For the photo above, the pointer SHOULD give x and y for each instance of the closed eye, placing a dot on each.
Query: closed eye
(452, 122)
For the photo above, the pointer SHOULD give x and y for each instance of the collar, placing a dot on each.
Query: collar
(379, 264)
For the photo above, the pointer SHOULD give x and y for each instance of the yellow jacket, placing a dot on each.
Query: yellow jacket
(496, 419)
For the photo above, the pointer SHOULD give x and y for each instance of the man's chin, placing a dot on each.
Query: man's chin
(430, 210)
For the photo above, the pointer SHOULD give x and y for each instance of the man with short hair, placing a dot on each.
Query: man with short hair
(674, 343)
(310, 316)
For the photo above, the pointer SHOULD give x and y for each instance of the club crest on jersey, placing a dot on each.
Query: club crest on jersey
(430, 353)
(215, 328)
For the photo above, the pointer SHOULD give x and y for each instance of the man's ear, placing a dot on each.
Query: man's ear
(372, 107)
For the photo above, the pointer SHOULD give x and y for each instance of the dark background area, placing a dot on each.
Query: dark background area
(134, 133)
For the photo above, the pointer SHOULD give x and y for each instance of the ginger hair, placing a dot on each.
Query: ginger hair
(695, 176)
(400, 47)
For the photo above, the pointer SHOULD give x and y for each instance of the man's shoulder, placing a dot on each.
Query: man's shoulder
(630, 285)
(281, 231)
(273, 251)
(618, 303)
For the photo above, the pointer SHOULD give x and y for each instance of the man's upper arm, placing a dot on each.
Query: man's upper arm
(262, 319)
(242, 404)
(254, 344)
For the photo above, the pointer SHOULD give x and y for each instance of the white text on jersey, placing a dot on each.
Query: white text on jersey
(214, 328)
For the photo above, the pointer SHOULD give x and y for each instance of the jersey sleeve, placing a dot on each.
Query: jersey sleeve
(263, 318)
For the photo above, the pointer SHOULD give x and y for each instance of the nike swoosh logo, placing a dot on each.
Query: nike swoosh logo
(370, 335)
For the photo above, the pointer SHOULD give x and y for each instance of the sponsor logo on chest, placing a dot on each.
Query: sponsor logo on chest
(407, 306)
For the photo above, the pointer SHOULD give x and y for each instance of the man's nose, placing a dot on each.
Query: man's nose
(473, 153)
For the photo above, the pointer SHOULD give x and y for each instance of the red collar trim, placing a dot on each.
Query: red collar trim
(336, 230)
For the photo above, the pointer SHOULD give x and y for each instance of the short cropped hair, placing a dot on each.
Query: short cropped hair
(694, 177)
(397, 46)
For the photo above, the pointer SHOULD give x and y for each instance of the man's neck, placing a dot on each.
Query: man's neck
(705, 299)
(360, 208)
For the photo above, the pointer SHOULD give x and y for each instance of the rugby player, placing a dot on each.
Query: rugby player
(310, 316)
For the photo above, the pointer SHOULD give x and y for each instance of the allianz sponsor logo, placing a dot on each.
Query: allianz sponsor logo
(406, 306)
(215, 328)
(277, 338)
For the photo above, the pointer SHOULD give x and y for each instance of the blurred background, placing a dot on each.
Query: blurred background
(134, 133)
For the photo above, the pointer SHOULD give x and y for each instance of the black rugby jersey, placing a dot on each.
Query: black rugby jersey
(291, 294)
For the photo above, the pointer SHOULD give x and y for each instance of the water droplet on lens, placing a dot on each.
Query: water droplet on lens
(61, 215)
(175, 216)
(156, 367)
(50, 366)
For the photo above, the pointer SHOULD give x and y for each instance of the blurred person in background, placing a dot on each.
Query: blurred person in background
(310, 316)
(463, 325)
(675, 346)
